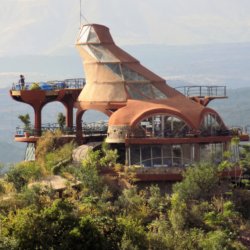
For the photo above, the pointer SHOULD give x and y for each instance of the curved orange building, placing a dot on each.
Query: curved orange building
(157, 125)
(151, 123)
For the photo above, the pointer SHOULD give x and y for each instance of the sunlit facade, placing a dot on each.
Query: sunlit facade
(157, 125)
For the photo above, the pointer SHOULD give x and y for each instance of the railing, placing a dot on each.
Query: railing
(182, 134)
(164, 162)
(202, 91)
(88, 129)
(77, 83)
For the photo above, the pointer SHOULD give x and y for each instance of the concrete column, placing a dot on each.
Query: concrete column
(79, 137)
(69, 115)
(38, 120)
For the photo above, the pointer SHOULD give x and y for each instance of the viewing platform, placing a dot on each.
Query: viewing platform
(37, 95)
(92, 129)
(203, 94)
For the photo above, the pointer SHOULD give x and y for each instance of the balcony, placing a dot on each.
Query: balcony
(93, 129)
(203, 94)
(203, 91)
(76, 83)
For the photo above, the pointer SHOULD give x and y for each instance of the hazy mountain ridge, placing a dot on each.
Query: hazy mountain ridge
(198, 64)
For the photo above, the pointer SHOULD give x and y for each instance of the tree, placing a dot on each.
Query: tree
(200, 182)
(25, 119)
(61, 120)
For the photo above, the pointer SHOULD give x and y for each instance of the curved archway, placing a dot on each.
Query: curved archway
(161, 125)
(95, 121)
(50, 112)
(162, 111)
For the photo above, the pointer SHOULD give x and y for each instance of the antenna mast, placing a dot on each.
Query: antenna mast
(81, 15)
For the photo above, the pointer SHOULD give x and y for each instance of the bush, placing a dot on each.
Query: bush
(35, 86)
(200, 182)
(22, 173)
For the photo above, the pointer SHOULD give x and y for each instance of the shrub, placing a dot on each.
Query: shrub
(22, 173)
(35, 86)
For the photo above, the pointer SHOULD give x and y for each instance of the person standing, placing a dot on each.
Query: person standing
(22, 82)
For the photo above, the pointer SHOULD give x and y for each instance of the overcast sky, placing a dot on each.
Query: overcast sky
(51, 26)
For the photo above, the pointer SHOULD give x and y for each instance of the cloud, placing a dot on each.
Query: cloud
(48, 26)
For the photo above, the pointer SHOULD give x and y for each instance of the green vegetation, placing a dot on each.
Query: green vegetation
(35, 86)
(25, 119)
(61, 120)
(202, 212)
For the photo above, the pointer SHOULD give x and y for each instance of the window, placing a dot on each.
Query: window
(211, 125)
(102, 54)
(146, 90)
(165, 126)
(115, 68)
(92, 37)
(130, 75)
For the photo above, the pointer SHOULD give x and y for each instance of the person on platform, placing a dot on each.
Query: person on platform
(22, 82)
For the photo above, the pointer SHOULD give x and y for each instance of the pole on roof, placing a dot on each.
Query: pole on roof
(82, 15)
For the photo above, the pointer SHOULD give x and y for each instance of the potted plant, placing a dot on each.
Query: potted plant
(25, 119)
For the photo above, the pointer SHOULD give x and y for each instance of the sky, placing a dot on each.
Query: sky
(50, 27)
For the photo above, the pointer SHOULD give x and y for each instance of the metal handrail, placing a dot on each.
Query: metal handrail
(182, 134)
(88, 129)
(170, 162)
(77, 83)
(203, 90)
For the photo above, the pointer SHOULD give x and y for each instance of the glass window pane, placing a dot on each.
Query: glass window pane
(177, 155)
(130, 75)
(147, 90)
(134, 94)
(186, 153)
(84, 34)
(115, 68)
(135, 155)
(102, 54)
(156, 155)
(93, 36)
(205, 152)
(167, 155)
(158, 94)
(146, 156)
(211, 125)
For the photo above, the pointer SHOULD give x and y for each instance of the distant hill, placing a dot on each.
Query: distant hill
(199, 64)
